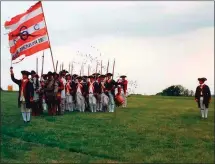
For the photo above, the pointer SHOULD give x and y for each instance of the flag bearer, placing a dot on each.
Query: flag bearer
(26, 94)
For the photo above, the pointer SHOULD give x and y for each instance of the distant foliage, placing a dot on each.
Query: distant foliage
(176, 90)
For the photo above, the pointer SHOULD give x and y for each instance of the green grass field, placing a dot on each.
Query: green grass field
(152, 129)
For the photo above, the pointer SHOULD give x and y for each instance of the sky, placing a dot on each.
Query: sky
(156, 44)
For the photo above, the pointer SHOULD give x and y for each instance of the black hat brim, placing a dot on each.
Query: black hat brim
(50, 74)
(25, 73)
(78, 77)
(123, 76)
(33, 72)
(202, 79)
(64, 71)
(109, 74)
(96, 74)
(102, 76)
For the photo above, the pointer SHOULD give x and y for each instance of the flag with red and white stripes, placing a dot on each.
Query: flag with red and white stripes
(28, 33)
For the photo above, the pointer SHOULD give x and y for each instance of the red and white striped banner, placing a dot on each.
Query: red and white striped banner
(28, 32)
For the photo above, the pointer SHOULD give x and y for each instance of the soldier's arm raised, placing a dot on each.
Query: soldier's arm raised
(18, 82)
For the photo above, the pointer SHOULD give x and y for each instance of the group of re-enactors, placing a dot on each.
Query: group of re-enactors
(63, 92)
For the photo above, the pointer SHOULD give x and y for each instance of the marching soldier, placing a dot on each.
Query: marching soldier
(42, 93)
(203, 97)
(97, 95)
(26, 94)
(63, 95)
(58, 90)
(84, 83)
(110, 89)
(124, 84)
(50, 89)
(91, 91)
(74, 81)
(80, 101)
(103, 103)
(70, 86)
(36, 103)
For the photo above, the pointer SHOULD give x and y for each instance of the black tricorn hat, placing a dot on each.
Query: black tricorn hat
(74, 76)
(123, 76)
(91, 76)
(24, 72)
(64, 71)
(78, 77)
(33, 72)
(85, 77)
(202, 79)
(55, 73)
(102, 76)
(109, 74)
(96, 74)
(50, 73)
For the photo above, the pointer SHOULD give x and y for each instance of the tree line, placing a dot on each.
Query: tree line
(176, 90)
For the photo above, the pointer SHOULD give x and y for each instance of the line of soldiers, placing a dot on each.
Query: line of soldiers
(62, 92)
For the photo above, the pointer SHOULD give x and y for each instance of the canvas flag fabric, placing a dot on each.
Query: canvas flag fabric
(28, 32)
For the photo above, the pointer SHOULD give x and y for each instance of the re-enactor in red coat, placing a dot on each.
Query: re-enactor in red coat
(26, 94)
(203, 97)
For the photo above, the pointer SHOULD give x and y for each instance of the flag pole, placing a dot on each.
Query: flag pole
(48, 36)
(42, 64)
(11, 61)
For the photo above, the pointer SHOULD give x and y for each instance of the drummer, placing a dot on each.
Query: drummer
(119, 96)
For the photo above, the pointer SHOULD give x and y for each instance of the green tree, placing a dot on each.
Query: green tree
(174, 90)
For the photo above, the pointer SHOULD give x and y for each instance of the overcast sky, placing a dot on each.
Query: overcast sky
(156, 44)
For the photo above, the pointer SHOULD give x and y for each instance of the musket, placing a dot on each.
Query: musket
(107, 66)
(72, 69)
(101, 67)
(113, 68)
(96, 66)
(56, 66)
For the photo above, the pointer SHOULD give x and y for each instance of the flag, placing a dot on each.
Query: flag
(28, 32)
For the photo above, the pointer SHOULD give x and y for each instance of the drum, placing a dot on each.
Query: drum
(119, 100)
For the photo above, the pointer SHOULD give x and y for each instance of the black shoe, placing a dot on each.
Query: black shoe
(28, 121)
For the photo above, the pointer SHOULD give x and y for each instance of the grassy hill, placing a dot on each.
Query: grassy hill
(152, 129)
